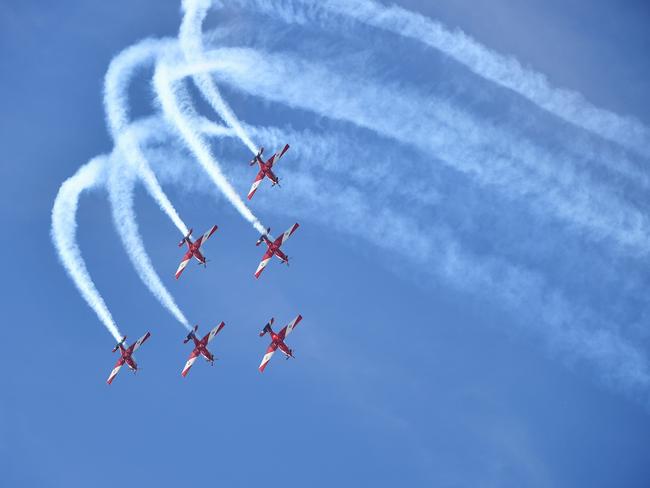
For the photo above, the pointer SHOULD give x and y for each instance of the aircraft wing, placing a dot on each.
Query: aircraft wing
(267, 357)
(195, 354)
(256, 183)
(288, 328)
(201, 240)
(265, 260)
(186, 259)
(116, 369)
(215, 331)
(278, 155)
(140, 341)
(283, 238)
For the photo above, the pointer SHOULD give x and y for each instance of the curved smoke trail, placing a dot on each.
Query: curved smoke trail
(121, 182)
(481, 60)
(127, 140)
(488, 154)
(191, 42)
(64, 237)
(178, 109)
(602, 346)
(116, 82)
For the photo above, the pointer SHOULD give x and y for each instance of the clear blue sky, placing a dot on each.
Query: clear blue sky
(405, 376)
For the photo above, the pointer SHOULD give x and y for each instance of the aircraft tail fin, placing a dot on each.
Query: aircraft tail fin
(184, 239)
(259, 241)
(257, 156)
(191, 334)
(117, 346)
(267, 327)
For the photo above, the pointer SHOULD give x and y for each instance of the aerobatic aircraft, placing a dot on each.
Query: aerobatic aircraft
(277, 341)
(273, 248)
(193, 249)
(126, 356)
(265, 169)
(200, 347)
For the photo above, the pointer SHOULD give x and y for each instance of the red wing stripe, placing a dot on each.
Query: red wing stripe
(263, 263)
(284, 237)
(207, 235)
(115, 370)
(267, 357)
(215, 331)
(183, 264)
(281, 153)
(140, 341)
(256, 183)
(292, 325)
(189, 363)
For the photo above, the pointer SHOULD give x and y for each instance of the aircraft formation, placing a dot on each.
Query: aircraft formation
(194, 251)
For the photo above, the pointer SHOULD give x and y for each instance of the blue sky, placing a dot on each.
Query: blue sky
(470, 267)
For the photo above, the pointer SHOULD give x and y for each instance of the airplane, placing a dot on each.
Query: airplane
(200, 347)
(273, 248)
(277, 341)
(126, 356)
(265, 169)
(193, 249)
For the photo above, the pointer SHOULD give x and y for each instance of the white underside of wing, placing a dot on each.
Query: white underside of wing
(182, 266)
(113, 374)
(266, 359)
(139, 342)
(288, 233)
(254, 186)
(188, 365)
(262, 265)
(292, 324)
(213, 333)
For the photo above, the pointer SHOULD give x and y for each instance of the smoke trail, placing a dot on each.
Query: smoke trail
(571, 329)
(121, 181)
(64, 234)
(502, 70)
(489, 154)
(180, 112)
(116, 82)
(191, 42)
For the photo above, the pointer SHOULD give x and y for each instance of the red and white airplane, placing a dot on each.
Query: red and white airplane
(266, 169)
(273, 248)
(200, 347)
(277, 341)
(194, 249)
(126, 356)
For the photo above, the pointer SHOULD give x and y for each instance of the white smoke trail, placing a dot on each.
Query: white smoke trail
(603, 347)
(117, 80)
(574, 331)
(121, 181)
(64, 237)
(191, 42)
(181, 114)
(502, 70)
(490, 155)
